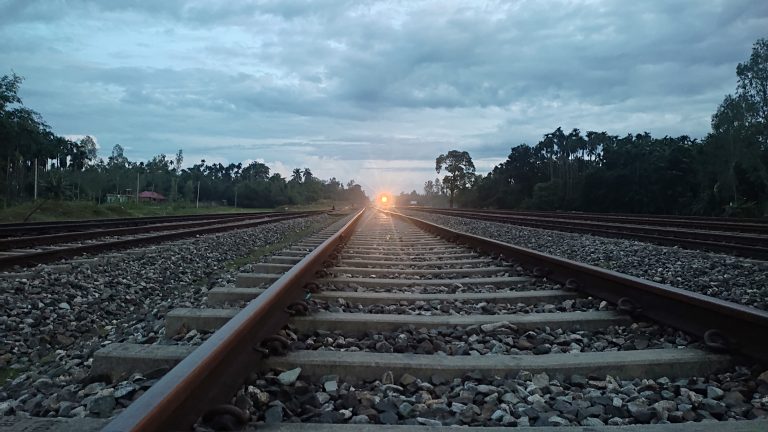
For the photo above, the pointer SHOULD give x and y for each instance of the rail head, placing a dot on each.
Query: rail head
(722, 324)
(216, 369)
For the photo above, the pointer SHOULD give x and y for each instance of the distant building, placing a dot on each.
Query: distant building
(151, 196)
(117, 199)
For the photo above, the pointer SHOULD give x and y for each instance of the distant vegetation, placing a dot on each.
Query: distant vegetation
(71, 170)
(725, 174)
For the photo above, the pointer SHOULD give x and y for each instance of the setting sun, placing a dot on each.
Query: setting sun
(384, 199)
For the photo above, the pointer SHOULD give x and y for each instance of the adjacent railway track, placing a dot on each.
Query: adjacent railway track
(742, 239)
(20, 229)
(73, 239)
(725, 224)
(530, 307)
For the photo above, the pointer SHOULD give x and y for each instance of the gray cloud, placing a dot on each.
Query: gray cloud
(306, 82)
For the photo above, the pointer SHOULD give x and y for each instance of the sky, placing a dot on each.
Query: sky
(371, 91)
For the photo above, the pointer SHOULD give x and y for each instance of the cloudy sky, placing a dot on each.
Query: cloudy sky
(371, 91)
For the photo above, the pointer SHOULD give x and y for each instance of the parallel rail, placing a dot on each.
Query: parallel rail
(174, 231)
(215, 370)
(743, 225)
(741, 244)
(18, 229)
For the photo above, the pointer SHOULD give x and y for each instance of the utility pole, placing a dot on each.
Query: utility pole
(235, 195)
(35, 179)
(138, 177)
(197, 204)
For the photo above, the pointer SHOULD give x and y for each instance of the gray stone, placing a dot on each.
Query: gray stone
(495, 326)
(540, 380)
(388, 417)
(428, 422)
(43, 385)
(510, 398)
(592, 421)
(498, 415)
(713, 407)
(640, 412)
(733, 399)
(7, 407)
(124, 389)
(101, 406)
(289, 377)
(615, 421)
(274, 414)
(665, 406)
(387, 378)
(558, 421)
(715, 393)
(322, 397)
(331, 386)
(360, 419)
(763, 377)
(405, 409)
(78, 412)
(65, 408)
(578, 380)
(675, 417)
(407, 379)
(94, 388)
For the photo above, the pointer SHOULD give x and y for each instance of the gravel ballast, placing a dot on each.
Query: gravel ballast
(519, 399)
(726, 277)
(55, 317)
(500, 338)
(461, 307)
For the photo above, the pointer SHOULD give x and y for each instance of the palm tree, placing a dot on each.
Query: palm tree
(296, 175)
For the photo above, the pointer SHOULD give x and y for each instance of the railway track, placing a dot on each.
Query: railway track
(724, 224)
(71, 239)
(411, 323)
(742, 239)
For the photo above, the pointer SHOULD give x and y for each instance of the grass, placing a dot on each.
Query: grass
(70, 210)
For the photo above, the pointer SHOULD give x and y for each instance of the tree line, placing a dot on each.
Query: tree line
(71, 169)
(723, 174)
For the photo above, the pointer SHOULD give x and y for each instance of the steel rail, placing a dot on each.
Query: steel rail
(50, 239)
(24, 228)
(753, 246)
(737, 327)
(48, 255)
(215, 370)
(695, 224)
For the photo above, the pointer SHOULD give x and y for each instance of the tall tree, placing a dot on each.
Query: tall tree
(753, 90)
(460, 169)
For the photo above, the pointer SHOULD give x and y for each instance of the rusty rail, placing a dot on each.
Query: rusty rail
(214, 371)
(722, 324)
